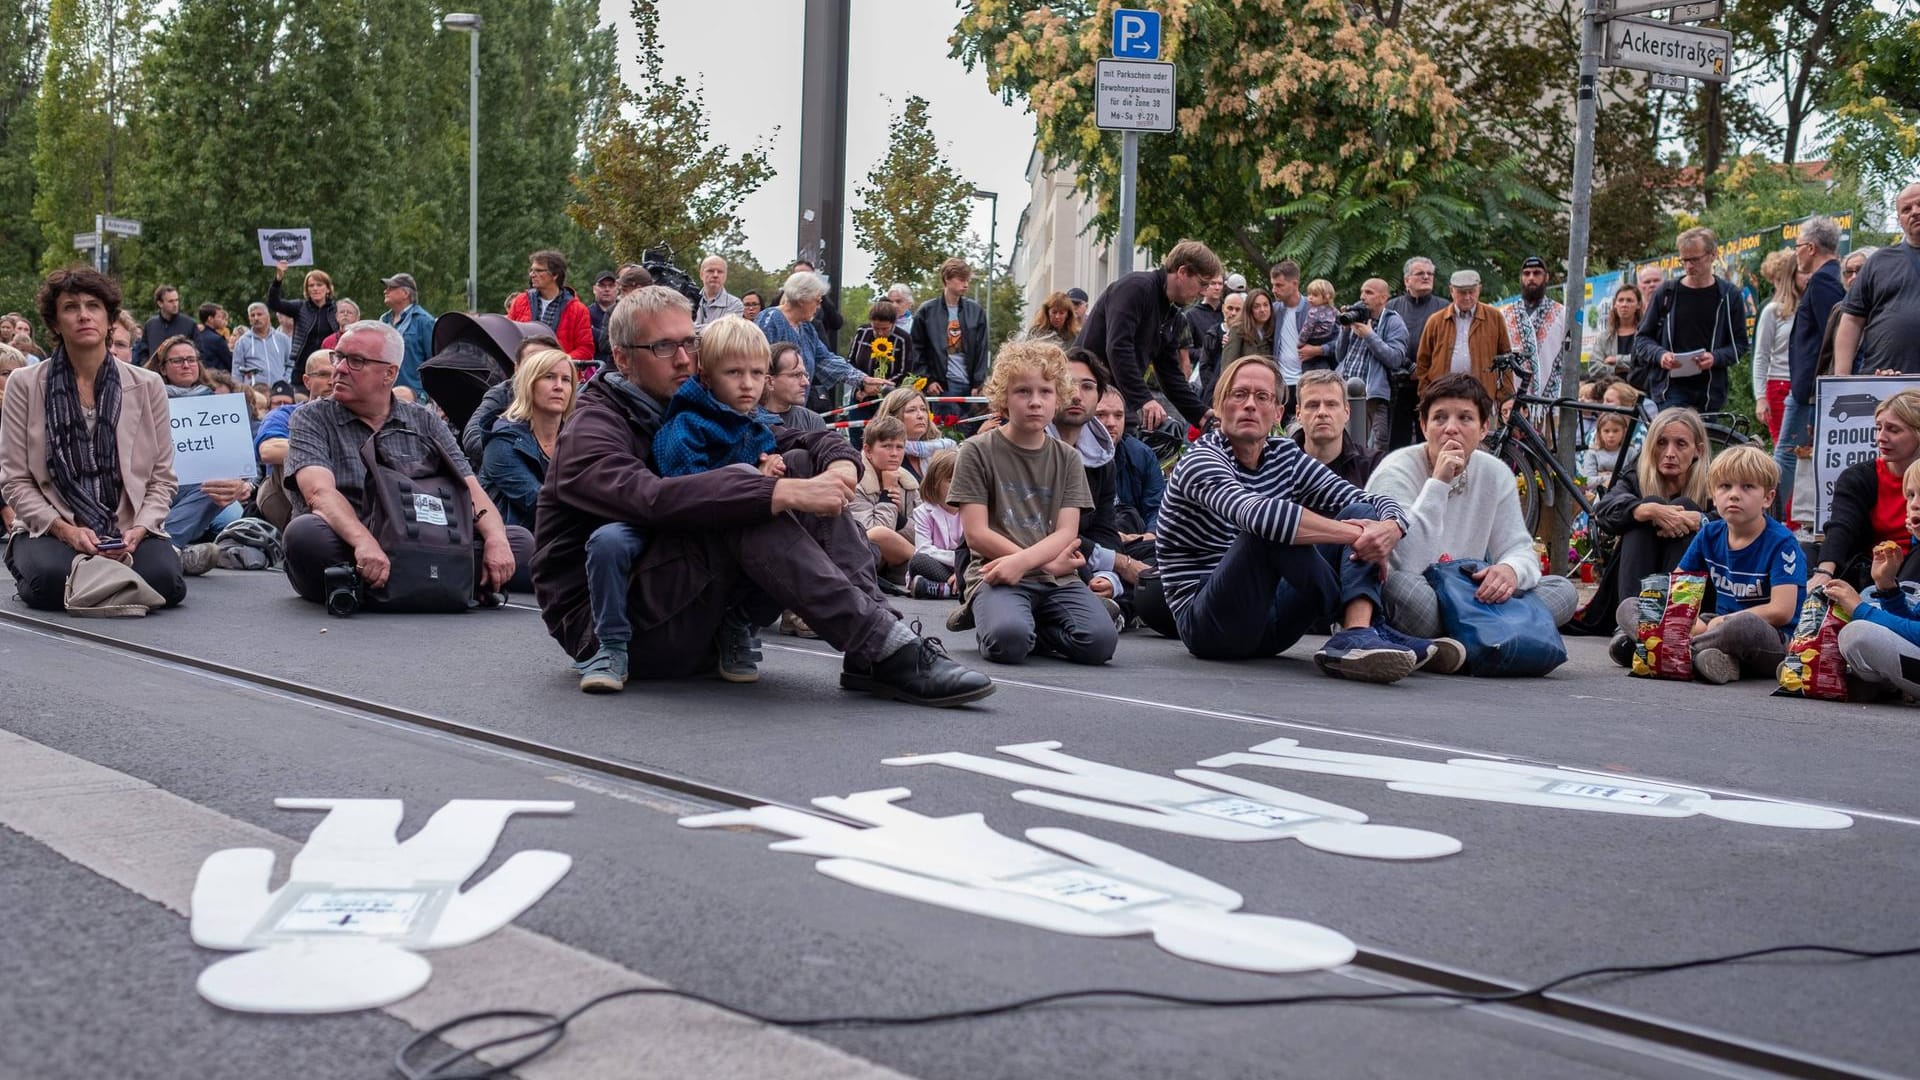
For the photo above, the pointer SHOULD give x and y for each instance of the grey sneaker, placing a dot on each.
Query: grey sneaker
(1714, 666)
(605, 672)
(197, 559)
(738, 646)
(1113, 612)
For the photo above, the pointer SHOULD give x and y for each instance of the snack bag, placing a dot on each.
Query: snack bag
(1684, 595)
(1653, 605)
(1814, 667)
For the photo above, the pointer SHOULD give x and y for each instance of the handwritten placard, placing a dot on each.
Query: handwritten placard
(293, 245)
(212, 439)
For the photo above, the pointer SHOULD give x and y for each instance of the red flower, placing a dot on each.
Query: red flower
(1193, 433)
(949, 419)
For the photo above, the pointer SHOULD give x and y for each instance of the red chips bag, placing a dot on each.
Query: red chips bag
(1814, 667)
(1684, 594)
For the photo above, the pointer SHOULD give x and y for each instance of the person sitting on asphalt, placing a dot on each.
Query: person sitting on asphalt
(1108, 571)
(1138, 483)
(1654, 507)
(1324, 413)
(86, 452)
(517, 454)
(1021, 494)
(1757, 572)
(1461, 501)
(1259, 543)
(473, 437)
(938, 534)
(715, 419)
(923, 439)
(203, 508)
(1881, 641)
(787, 384)
(329, 482)
(886, 499)
(701, 549)
(1867, 508)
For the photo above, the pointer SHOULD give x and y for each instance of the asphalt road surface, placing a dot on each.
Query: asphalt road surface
(119, 773)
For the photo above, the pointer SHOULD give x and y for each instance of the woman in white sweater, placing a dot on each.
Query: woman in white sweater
(1460, 502)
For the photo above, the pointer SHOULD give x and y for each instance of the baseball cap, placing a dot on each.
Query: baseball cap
(1077, 295)
(1533, 262)
(605, 275)
(282, 388)
(1464, 279)
(400, 281)
(1236, 283)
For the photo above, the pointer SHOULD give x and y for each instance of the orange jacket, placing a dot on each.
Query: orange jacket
(1486, 339)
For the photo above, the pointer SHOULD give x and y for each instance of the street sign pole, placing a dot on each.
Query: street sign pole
(1560, 524)
(1129, 162)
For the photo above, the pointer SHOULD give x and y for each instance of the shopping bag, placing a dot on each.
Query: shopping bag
(1517, 638)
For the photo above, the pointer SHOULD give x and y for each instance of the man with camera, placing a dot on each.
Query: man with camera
(1372, 346)
(332, 492)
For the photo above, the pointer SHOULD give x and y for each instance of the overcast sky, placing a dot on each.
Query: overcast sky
(747, 56)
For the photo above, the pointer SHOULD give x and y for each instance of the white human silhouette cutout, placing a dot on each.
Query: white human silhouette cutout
(1082, 886)
(1227, 808)
(341, 933)
(1533, 785)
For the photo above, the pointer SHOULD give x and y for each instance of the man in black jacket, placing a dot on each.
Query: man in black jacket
(1693, 333)
(1816, 253)
(950, 348)
(1415, 306)
(1137, 322)
(167, 321)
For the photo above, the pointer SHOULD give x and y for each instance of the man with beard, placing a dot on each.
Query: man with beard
(1537, 327)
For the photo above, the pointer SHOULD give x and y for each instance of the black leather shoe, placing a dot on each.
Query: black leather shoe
(920, 674)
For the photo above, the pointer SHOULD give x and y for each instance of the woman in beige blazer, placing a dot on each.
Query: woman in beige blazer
(86, 452)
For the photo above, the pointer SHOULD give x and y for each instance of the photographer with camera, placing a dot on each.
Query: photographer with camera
(1372, 347)
(332, 457)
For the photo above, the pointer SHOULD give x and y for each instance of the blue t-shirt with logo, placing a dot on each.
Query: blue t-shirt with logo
(1746, 578)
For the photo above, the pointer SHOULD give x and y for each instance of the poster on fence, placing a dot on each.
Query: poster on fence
(212, 439)
(293, 245)
(1843, 427)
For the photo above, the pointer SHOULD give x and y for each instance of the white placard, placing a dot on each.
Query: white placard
(1248, 812)
(1084, 890)
(378, 912)
(293, 245)
(1133, 95)
(212, 439)
(1843, 428)
(1608, 792)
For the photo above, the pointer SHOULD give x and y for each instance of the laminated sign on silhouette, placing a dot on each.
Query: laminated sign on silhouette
(1063, 881)
(343, 932)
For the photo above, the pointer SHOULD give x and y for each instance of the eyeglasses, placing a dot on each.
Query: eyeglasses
(183, 361)
(538, 270)
(1240, 395)
(665, 350)
(354, 363)
(1088, 386)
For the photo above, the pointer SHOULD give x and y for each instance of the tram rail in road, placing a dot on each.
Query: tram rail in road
(1585, 1013)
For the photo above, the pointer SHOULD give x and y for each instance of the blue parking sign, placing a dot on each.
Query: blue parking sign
(1136, 34)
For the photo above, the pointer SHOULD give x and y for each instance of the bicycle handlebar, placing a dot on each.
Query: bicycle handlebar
(1577, 405)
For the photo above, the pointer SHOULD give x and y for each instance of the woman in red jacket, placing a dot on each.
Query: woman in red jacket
(548, 300)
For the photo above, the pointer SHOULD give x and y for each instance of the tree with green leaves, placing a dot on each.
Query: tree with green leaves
(1873, 104)
(87, 118)
(23, 40)
(913, 206)
(653, 175)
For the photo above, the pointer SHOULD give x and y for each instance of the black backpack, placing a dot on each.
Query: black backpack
(422, 517)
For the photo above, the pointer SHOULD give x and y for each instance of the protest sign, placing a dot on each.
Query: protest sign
(212, 439)
(293, 245)
(1843, 428)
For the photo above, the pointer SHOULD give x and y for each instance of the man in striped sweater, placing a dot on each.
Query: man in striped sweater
(1259, 543)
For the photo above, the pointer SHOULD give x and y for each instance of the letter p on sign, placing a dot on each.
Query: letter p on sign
(1136, 34)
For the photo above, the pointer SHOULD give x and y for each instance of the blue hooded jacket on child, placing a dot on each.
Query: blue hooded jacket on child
(701, 434)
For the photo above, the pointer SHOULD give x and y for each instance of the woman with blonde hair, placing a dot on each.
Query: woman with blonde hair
(1772, 379)
(923, 439)
(314, 317)
(1658, 501)
(1868, 507)
(520, 446)
(1054, 322)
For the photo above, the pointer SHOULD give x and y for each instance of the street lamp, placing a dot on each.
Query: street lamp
(468, 23)
(993, 229)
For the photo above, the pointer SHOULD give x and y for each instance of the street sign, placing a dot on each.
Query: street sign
(86, 241)
(1136, 34)
(1660, 80)
(1646, 45)
(1682, 10)
(120, 226)
(1133, 95)
(1700, 11)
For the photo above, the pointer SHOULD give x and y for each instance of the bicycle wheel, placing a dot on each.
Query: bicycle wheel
(1722, 438)
(1531, 478)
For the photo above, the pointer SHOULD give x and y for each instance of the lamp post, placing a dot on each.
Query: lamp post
(469, 24)
(993, 229)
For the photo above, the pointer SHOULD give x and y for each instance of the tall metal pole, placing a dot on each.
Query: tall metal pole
(473, 171)
(1129, 162)
(1561, 524)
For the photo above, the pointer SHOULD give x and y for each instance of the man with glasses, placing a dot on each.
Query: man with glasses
(1414, 306)
(675, 573)
(1693, 333)
(1815, 252)
(329, 486)
(548, 300)
(786, 396)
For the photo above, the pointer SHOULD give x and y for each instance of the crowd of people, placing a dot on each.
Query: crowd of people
(657, 471)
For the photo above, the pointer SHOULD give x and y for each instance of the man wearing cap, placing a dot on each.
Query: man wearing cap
(715, 300)
(606, 293)
(405, 314)
(1236, 283)
(261, 352)
(328, 482)
(1464, 336)
(1537, 327)
(1077, 296)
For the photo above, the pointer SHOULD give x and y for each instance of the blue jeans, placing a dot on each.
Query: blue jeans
(193, 515)
(611, 552)
(1796, 430)
(1265, 595)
